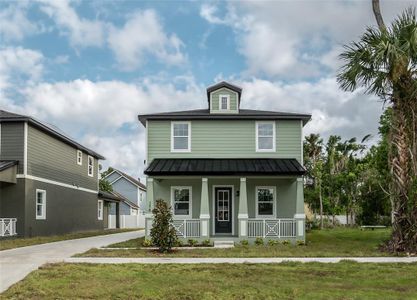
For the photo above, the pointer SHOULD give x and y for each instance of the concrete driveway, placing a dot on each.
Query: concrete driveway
(15, 264)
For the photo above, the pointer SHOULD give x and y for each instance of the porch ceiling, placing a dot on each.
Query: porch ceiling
(223, 166)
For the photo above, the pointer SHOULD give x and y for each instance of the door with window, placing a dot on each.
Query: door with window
(223, 210)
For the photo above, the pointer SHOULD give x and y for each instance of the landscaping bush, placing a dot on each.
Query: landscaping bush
(286, 242)
(301, 243)
(259, 241)
(192, 242)
(147, 243)
(206, 243)
(179, 243)
(163, 233)
(244, 242)
(273, 242)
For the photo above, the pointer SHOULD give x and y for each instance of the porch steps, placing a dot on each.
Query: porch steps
(223, 244)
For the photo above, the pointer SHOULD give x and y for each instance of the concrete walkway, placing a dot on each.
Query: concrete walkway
(232, 260)
(16, 263)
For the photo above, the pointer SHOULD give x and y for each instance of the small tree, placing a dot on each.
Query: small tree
(163, 233)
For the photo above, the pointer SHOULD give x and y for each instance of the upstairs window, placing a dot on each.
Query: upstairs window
(79, 157)
(224, 102)
(265, 202)
(180, 136)
(265, 136)
(181, 200)
(40, 204)
(90, 166)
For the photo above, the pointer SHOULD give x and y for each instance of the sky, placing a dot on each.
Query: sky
(90, 67)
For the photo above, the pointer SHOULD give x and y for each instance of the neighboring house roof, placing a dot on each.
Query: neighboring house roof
(129, 178)
(244, 114)
(5, 164)
(220, 166)
(6, 116)
(116, 197)
(224, 84)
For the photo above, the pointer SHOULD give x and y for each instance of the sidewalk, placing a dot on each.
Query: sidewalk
(16, 263)
(231, 260)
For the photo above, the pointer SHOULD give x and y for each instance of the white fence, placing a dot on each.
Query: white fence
(8, 226)
(127, 221)
(341, 219)
(281, 228)
(187, 228)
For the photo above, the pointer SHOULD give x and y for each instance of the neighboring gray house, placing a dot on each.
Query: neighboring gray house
(131, 189)
(48, 181)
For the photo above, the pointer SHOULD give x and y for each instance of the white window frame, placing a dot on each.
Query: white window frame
(190, 209)
(79, 157)
(273, 136)
(228, 102)
(92, 166)
(274, 205)
(100, 208)
(189, 136)
(43, 215)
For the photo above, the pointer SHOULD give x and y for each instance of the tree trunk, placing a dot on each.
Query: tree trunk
(321, 207)
(378, 15)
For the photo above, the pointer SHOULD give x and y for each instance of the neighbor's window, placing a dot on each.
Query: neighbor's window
(265, 136)
(90, 166)
(265, 202)
(100, 209)
(79, 157)
(40, 204)
(181, 136)
(224, 102)
(181, 200)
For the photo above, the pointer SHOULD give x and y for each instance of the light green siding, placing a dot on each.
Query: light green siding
(224, 139)
(55, 160)
(12, 143)
(215, 101)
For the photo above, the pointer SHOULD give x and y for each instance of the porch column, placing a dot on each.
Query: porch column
(204, 208)
(299, 215)
(150, 202)
(243, 209)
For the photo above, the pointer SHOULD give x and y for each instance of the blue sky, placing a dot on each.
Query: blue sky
(90, 67)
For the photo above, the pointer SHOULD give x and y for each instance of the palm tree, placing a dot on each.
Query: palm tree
(384, 61)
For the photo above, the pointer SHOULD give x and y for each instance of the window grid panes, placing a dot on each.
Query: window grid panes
(181, 201)
(40, 204)
(265, 136)
(223, 206)
(90, 166)
(223, 103)
(79, 157)
(180, 136)
(100, 210)
(265, 201)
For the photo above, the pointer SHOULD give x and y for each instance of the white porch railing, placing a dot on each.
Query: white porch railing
(187, 228)
(280, 228)
(8, 226)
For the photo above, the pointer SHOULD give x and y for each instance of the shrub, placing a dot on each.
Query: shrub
(259, 241)
(147, 243)
(286, 242)
(244, 242)
(192, 242)
(272, 242)
(206, 243)
(179, 243)
(301, 243)
(163, 233)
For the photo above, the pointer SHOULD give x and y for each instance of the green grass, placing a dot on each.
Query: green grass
(345, 280)
(343, 242)
(11, 243)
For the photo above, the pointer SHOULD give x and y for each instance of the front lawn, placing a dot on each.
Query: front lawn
(345, 280)
(342, 242)
(10, 243)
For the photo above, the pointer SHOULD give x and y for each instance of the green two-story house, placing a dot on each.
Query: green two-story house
(228, 173)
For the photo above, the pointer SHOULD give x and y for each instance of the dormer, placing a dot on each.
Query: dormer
(224, 98)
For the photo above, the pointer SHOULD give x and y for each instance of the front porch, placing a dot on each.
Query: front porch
(231, 208)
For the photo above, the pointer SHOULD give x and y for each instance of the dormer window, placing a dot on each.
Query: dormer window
(224, 102)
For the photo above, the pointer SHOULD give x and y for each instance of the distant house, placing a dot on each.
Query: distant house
(48, 181)
(133, 195)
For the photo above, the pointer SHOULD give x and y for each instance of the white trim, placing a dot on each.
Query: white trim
(0, 138)
(146, 144)
(274, 202)
(227, 102)
(43, 216)
(190, 205)
(79, 162)
(100, 208)
(56, 183)
(88, 166)
(299, 216)
(302, 144)
(189, 136)
(214, 208)
(25, 149)
(273, 136)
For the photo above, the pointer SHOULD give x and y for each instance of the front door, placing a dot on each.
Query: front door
(223, 210)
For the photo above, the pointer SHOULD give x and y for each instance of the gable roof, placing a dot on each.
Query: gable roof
(244, 114)
(129, 178)
(224, 84)
(6, 116)
(116, 197)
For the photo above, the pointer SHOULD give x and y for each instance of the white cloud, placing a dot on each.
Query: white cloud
(82, 32)
(14, 24)
(141, 35)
